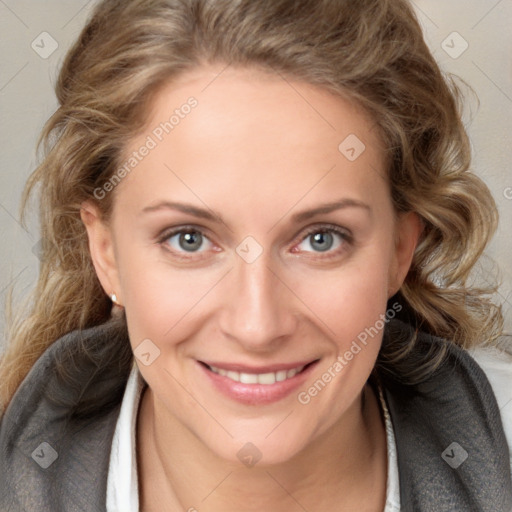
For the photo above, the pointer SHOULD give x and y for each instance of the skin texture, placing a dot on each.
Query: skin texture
(256, 149)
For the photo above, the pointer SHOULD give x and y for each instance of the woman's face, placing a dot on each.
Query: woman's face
(255, 234)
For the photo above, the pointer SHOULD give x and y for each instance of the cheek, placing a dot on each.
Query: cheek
(156, 295)
(348, 305)
(347, 300)
(161, 302)
(165, 306)
(351, 305)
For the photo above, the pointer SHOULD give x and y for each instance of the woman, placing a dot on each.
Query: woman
(258, 225)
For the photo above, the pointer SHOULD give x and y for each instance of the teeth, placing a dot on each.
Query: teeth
(280, 375)
(258, 378)
(248, 378)
(291, 373)
(266, 378)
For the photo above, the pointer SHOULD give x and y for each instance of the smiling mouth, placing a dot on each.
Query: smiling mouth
(267, 378)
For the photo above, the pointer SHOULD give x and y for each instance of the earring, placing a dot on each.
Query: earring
(113, 298)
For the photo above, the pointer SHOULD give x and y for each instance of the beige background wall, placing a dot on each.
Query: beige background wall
(471, 38)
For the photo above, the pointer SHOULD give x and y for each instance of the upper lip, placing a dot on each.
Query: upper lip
(270, 368)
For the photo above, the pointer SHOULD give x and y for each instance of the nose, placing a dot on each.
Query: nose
(258, 310)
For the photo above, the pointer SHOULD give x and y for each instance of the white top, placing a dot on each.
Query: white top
(122, 487)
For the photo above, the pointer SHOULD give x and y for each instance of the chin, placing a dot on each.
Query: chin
(254, 447)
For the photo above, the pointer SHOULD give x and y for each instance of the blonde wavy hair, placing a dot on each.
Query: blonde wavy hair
(371, 51)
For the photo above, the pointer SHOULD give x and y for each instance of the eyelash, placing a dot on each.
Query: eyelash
(345, 236)
(319, 228)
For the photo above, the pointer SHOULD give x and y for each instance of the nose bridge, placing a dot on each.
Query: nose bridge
(257, 309)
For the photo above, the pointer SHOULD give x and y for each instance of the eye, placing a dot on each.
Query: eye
(186, 239)
(325, 239)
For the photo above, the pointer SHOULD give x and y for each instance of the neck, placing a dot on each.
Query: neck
(349, 462)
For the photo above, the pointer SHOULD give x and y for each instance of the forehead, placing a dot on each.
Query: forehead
(254, 136)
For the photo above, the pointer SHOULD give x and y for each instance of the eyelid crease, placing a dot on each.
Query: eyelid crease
(328, 227)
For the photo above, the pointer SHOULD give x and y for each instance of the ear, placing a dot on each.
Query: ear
(408, 228)
(101, 247)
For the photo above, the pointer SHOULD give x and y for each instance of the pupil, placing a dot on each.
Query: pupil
(321, 238)
(192, 240)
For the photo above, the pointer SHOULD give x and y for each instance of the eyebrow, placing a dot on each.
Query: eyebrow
(331, 207)
(205, 213)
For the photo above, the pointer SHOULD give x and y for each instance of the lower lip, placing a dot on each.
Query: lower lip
(257, 394)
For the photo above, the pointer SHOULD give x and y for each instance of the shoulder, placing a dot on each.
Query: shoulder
(496, 362)
(481, 375)
(58, 428)
(452, 450)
